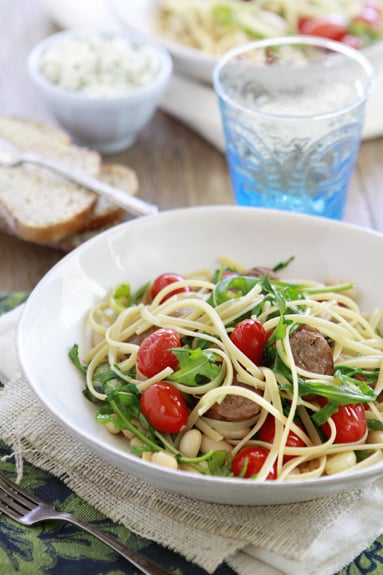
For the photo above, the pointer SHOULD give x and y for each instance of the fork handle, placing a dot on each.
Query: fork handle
(146, 565)
(126, 201)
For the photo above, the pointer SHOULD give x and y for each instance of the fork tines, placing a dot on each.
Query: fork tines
(12, 494)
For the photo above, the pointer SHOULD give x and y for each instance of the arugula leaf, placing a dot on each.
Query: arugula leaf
(369, 376)
(231, 287)
(374, 425)
(75, 358)
(283, 265)
(123, 296)
(220, 463)
(196, 366)
(349, 391)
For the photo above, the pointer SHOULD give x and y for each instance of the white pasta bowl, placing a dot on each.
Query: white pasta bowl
(183, 241)
(109, 120)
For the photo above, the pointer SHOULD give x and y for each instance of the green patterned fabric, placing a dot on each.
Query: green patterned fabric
(56, 548)
(10, 301)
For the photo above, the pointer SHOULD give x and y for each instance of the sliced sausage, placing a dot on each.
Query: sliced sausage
(234, 407)
(260, 271)
(138, 338)
(311, 351)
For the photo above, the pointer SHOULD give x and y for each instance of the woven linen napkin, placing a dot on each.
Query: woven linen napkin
(316, 537)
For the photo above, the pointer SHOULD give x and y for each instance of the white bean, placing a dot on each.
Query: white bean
(340, 462)
(237, 433)
(190, 443)
(164, 459)
(188, 468)
(135, 442)
(375, 437)
(110, 426)
(208, 444)
(129, 434)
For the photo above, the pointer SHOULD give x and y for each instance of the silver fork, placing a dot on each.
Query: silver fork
(28, 509)
(12, 156)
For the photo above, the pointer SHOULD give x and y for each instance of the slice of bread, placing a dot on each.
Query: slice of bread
(104, 215)
(36, 204)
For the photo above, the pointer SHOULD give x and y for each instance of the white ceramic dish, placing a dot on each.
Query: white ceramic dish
(139, 17)
(109, 123)
(54, 317)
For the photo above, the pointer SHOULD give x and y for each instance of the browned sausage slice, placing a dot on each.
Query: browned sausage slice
(260, 271)
(234, 408)
(138, 338)
(311, 351)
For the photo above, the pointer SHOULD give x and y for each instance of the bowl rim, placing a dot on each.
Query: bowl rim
(147, 90)
(301, 490)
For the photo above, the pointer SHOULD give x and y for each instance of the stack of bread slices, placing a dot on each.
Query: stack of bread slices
(39, 206)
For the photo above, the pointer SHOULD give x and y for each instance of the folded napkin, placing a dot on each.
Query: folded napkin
(311, 538)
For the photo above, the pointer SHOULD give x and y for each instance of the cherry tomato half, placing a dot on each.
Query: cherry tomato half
(370, 14)
(267, 433)
(357, 44)
(350, 422)
(251, 459)
(163, 281)
(333, 27)
(250, 337)
(155, 352)
(164, 407)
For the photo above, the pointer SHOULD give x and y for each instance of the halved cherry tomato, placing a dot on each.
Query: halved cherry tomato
(164, 407)
(267, 433)
(228, 274)
(333, 27)
(163, 281)
(249, 461)
(353, 42)
(155, 353)
(350, 422)
(370, 14)
(250, 337)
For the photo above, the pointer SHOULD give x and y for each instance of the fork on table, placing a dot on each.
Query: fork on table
(11, 156)
(27, 509)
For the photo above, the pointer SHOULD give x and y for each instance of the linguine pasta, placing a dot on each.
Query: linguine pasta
(301, 382)
(214, 26)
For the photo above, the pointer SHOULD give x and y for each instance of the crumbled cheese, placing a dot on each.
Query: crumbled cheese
(98, 65)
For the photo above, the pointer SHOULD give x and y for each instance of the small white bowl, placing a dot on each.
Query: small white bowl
(108, 123)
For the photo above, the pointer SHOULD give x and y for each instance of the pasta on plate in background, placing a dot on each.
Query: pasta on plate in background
(215, 26)
(239, 373)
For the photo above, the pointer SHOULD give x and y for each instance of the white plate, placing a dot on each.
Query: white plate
(139, 17)
(183, 241)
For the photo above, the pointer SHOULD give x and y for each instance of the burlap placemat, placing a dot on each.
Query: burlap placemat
(207, 534)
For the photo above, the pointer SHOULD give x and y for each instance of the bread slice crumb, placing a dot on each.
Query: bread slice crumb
(36, 204)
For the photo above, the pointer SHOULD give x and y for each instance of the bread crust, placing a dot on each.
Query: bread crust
(39, 206)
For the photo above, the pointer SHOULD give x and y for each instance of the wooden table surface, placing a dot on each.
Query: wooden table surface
(175, 166)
